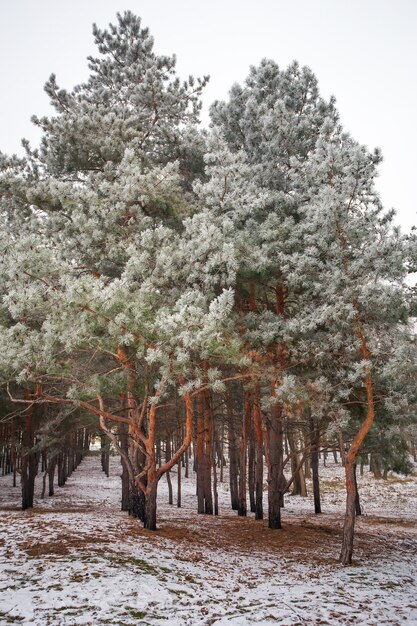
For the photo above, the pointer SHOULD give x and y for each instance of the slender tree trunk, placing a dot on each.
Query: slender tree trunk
(275, 432)
(51, 476)
(251, 469)
(358, 509)
(208, 453)
(14, 452)
(215, 493)
(299, 484)
(179, 485)
(29, 461)
(44, 477)
(233, 455)
(104, 454)
(124, 445)
(187, 464)
(349, 524)
(242, 508)
(376, 466)
(276, 474)
(315, 442)
(221, 452)
(168, 475)
(259, 464)
(199, 457)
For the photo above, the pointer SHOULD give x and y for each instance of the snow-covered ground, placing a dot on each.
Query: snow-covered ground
(76, 559)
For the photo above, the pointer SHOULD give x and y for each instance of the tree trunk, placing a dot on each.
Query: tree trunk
(315, 443)
(349, 524)
(51, 476)
(251, 470)
(136, 501)
(299, 483)
(168, 475)
(276, 473)
(199, 457)
(44, 477)
(233, 455)
(259, 461)
(242, 507)
(376, 466)
(221, 452)
(187, 464)
(215, 493)
(150, 504)
(179, 485)
(104, 454)
(208, 453)
(358, 509)
(29, 462)
(124, 446)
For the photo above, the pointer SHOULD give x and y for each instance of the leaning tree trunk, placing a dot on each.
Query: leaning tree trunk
(349, 525)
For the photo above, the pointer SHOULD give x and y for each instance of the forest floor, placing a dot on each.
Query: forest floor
(76, 559)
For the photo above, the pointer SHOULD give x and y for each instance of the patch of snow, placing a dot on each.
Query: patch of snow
(77, 559)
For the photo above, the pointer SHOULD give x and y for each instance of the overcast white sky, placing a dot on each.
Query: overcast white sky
(362, 51)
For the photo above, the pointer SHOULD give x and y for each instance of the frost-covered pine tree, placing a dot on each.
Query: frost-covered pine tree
(354, 273)
(107, 287)
(321, 269)
(274, 119)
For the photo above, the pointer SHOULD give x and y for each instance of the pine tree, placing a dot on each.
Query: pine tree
(110, 289)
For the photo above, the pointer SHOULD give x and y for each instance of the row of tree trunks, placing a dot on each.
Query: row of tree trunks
(65, 462)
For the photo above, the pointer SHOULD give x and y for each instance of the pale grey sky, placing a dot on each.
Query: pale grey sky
(363, 51)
